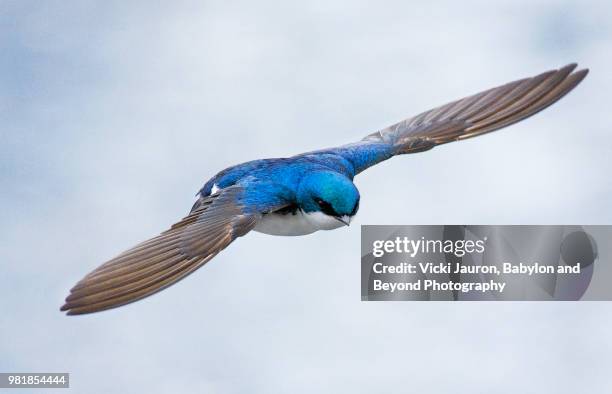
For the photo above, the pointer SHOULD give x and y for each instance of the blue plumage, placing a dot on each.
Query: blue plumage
(326, 174)
(348, 160)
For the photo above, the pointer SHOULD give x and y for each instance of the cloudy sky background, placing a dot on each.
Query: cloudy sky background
(113, 114)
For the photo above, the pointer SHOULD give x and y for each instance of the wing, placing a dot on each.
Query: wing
(466, 118)
(153, 265)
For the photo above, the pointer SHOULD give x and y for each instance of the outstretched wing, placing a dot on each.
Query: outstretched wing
(153, 265)
(466, 118)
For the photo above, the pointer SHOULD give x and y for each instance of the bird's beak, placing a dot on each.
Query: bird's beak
(346, 220)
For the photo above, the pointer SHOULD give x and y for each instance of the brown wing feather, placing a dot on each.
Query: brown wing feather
(163, 260)
(480, 113)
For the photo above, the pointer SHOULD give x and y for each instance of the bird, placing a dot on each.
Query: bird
(302, 194)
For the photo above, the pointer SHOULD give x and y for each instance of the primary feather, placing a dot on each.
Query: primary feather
(471, 116)
(161, 261)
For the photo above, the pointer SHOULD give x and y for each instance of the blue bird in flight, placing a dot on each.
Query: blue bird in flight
(301, 194)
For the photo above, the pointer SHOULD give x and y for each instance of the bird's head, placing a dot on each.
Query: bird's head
(330, 193)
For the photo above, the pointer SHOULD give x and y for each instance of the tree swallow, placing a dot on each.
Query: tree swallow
(301, 194)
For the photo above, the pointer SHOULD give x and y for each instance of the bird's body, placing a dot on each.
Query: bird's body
(282, 177)
(301, 194)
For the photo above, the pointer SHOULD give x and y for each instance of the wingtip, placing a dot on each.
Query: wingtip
(68, 309)
(576, 75)
(583, 72)
(570, 66)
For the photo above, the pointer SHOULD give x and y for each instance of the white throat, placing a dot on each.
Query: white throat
(298, 223)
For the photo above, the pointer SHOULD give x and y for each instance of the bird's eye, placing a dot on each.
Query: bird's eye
(326, 207)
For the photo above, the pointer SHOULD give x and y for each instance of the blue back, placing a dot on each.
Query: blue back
(348, 160)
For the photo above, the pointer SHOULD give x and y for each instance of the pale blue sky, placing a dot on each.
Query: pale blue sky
(114, 113)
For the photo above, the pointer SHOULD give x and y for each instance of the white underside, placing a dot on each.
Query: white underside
(299, 223)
